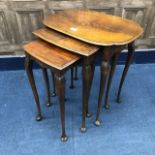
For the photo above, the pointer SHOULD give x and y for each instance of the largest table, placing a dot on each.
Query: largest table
(112, 33)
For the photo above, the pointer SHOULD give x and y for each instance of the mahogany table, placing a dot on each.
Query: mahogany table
(59, 61)
(85, 50)
(111, 32)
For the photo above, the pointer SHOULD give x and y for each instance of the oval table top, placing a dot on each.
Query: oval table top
(94, 27)
(65, 41)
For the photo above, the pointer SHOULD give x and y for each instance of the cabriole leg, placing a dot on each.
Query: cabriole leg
(88, 114)
(53, 79)
(86, 75)
(72, 80)
(76, 73)
(60, 80)
(28, 67)
(103, 77)
(47, 86)
(112, 70)
(131, 50)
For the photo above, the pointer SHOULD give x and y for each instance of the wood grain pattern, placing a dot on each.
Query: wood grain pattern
(65, 41)
(51, 55)
(94, 27)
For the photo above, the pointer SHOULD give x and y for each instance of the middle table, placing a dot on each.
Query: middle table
(86, 50)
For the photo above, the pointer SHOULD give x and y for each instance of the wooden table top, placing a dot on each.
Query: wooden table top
(94, 27)
(50, 54)
(65, 41)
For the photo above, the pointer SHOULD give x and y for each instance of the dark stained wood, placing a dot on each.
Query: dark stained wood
(76, 73)
(110, 52)
(87, 76)
(111, 73)
(106, 56)
(88, 114)
(131, 50)
(116, 52)
(65, 41)
(94, 27)
(54, 87)
(51, 55)
(71, 78)
(45, 75)
(29, 71)
(60, 81)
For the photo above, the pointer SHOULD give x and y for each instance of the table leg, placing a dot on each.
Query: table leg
(71, 78)
(47, 86)
(29, 71)
(60, 80)
(86, 75)
(53, 79)
(112, 70)
(88, 114)
(131, 50)
(106, 56)
(76, 73)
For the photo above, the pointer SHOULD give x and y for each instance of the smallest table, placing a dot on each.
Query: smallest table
(86, 51)
(59, 61)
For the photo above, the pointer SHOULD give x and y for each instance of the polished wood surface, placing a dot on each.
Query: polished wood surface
(65, 41)
(94, 27)
(51, 55)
